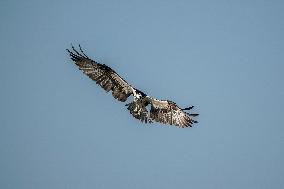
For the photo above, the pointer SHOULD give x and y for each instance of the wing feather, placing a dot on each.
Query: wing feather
(167, 112)
(104, 76)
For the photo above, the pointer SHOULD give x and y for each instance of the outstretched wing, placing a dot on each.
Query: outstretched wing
(168, 112)
(104, 76)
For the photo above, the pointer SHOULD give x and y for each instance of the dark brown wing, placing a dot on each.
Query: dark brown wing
(168, 112)
(104, 76)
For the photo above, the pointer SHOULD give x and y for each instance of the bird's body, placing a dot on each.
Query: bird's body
(163, 111)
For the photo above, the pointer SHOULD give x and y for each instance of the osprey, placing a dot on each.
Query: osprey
(163, 111)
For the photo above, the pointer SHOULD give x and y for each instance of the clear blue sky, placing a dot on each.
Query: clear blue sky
(59, 130)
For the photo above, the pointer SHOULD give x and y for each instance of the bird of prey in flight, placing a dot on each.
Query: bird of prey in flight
(163, 111)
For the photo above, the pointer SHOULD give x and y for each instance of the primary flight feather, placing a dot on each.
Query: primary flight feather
(163, 111)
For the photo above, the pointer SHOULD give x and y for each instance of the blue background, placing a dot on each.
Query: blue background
(59, 130)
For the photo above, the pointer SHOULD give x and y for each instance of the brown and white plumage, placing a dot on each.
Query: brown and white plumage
(167, 112)
(104, 76)
(163, 111)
